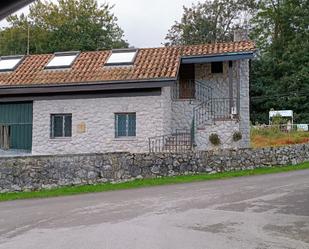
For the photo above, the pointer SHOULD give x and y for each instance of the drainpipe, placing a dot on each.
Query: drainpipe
(192, 133)
(239, 35)
(230, 72)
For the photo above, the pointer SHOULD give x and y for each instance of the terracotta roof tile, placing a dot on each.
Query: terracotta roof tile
(150, 63)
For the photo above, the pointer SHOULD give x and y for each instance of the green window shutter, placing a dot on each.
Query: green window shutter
(68, 125)
(132, 124)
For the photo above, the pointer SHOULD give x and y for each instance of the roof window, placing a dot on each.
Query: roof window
(62, 60)
(10, 63)
(121, 57)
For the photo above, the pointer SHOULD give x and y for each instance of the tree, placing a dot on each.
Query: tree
(280, 76)
(67, 25)
(210, 21)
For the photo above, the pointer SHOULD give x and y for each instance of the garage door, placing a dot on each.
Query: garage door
(16, 119)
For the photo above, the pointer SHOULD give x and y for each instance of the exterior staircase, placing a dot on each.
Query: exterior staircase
(206, 112)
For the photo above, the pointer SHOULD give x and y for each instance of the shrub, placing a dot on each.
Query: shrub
(237, 136)
(214, 139)
(278, 120)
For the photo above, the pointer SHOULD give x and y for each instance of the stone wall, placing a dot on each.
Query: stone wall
(244, 123)
(38, 172)
(224, 129)
(98, 116)
(182, 114)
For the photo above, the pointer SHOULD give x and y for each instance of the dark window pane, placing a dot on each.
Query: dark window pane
(121, 120)
(217, 67)
(57, 126)
(132, 124)
(125, 124)
(61, 125)
(68, 126)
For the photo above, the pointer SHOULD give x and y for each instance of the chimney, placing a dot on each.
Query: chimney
(241, 35)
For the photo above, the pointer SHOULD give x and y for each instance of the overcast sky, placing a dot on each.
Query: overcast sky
(145, 22)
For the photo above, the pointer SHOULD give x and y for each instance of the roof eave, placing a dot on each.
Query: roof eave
(85, 86)
(217, 57)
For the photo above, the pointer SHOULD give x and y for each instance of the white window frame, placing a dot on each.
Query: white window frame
(52, 122)
(11, 57)
(127, 124)
(121, 63)
(62, 54)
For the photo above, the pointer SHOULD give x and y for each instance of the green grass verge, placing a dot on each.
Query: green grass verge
(72, 190)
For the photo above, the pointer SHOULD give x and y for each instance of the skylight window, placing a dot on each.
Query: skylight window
(121, 57)
(10, 63)
(62, 60)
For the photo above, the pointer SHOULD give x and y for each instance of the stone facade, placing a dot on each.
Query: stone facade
(39, 172)
(156, 115)
(244, 103)
(225, 131)
(218, 82)
(98, 116)
(182, 114)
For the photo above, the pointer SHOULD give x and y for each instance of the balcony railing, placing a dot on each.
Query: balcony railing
(224, 108)
(191, 90)
(214, 110)
(203, 113)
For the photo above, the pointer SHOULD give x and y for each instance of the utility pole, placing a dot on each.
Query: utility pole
(28, 38)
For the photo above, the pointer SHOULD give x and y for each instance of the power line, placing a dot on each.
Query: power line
(284, 95)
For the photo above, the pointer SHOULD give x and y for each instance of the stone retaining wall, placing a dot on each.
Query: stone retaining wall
(38, 172)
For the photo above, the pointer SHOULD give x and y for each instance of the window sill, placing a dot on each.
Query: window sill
(60, 139)
(125, 138)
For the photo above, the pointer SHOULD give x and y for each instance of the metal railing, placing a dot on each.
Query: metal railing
(203, 113)
(224, 108)
(215, 109)
(176, 142)
(191, 90)
(207, 112)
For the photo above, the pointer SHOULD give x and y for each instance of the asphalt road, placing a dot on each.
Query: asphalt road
(269, 211)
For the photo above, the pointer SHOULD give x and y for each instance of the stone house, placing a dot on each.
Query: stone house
(137, 100)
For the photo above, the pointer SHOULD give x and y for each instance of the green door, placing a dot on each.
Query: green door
(18, 116)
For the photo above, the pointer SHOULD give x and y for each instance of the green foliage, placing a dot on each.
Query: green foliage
(237, 136)
(280, 75)
(278, 120)
(67, 25)
(214, 139)
(209, 21)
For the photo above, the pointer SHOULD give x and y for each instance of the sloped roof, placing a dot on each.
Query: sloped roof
(150, 63)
